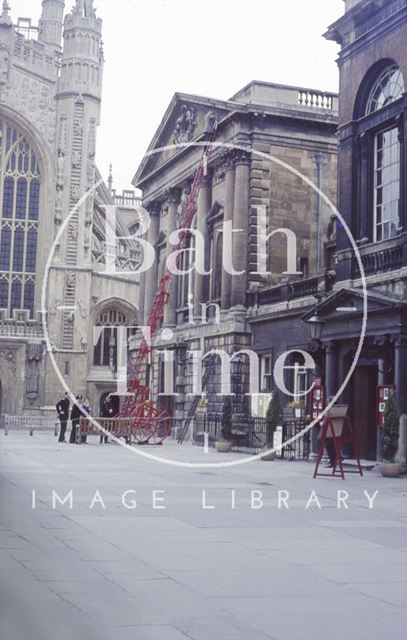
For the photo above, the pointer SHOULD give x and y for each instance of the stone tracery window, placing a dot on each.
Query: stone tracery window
(388, 88)
(105, 353)
(20, 184)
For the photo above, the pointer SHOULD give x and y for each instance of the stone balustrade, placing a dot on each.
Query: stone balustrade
(316, 99)
(13, 329)
(127, 198)
(383, 257)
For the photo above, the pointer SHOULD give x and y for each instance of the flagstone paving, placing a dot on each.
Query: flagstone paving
(151, 551)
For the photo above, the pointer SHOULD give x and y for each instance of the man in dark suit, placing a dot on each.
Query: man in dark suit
(62, 408)
(76, 414)
(108, 411)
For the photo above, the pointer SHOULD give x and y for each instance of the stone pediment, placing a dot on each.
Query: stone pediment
(350, 302)
(184, 122)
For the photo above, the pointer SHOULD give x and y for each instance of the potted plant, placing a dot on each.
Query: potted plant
(389, 468)
(224, 444)
(272, 420)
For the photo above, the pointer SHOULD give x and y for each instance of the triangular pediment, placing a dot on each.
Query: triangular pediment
(183, 123)
(350, 302)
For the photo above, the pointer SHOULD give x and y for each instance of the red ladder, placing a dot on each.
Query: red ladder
(138, 404)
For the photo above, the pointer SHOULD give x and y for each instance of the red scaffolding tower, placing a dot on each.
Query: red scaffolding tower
(151, 423)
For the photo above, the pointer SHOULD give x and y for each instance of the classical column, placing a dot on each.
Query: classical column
(201, 282)
(227, 216)
(141, 297)
(240, 221)
(401, 386)
(331, 369)
(152, 274)
(401, 372)
(170, 313)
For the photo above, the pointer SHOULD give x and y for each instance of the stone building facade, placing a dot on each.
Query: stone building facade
(271, 140)
(50, 100)
(372, 187)
(372, 191)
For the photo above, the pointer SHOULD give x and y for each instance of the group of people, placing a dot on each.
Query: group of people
(80, 408)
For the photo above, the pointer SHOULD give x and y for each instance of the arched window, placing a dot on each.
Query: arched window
(388, 88)
(105, 352)
(20, 183)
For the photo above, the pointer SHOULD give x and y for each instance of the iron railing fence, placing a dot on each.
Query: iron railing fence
(249, 435)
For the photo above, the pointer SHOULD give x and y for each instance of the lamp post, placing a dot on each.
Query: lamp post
(316, 325)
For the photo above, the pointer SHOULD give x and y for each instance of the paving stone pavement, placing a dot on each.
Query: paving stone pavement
(115, 566)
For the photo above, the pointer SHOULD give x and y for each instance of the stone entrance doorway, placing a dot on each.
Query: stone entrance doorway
(363, 409)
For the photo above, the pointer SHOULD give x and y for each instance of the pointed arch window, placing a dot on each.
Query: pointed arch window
(20, 185)
(388, 88)
(105, 350)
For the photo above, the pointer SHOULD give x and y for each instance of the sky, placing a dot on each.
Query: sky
(154, 48)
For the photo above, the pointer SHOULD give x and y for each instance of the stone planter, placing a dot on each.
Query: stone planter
(223, 446)
(390, 469)
(268, 455)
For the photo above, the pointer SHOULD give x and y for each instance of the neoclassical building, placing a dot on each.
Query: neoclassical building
(50, 231)
(372, 188)
(271, 140)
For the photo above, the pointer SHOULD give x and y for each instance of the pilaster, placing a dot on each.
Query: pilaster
(227, 217)
(151, 278)
(172, 201)
(201, 292)
(241, 222)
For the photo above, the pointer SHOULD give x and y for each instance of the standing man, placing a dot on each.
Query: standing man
(108, 411)
(62, 408)
(76, 415)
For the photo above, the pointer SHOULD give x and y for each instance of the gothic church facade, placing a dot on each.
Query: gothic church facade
(54, 285)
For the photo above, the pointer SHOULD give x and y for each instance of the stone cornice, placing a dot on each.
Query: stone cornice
(353, 31)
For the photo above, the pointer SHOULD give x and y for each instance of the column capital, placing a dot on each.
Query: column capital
(153, 207)
(401, 341)
(227, 160)
(242, 156)
(172, 196)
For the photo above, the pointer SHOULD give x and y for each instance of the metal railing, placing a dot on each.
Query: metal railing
(249, 435)
(30, 424)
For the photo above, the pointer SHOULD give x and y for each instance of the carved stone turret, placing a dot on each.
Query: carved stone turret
(82, 60)
(51, 22)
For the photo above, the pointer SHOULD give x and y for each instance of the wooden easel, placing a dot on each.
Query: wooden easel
(338, 427)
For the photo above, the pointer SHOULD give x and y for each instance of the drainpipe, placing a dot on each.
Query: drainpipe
(321, 161)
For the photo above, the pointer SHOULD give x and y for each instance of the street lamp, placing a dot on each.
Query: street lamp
(316, 325)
